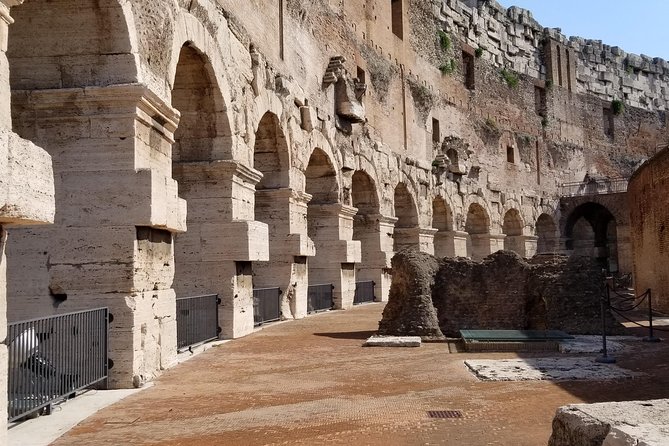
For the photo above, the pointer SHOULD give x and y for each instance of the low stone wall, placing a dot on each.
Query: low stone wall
(501, 292)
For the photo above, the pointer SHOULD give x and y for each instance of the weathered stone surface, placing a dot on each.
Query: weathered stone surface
(409, 311)
(393, 341)
(26, 181)
(552, 369)
(501, 292)
(612, 424)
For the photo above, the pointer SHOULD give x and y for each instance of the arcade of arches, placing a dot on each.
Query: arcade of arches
(189, 161)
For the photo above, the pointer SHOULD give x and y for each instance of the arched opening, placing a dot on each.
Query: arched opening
(366, 230)
(274, 296)
(546, 232)
(326, 267)
(512, 228)
(270, 153)
(406, 228)
(591, 231)
(442, 221)
(477, 227)
(194, 148)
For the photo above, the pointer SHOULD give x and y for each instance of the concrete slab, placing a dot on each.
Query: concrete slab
(553, 369)
(593, 344)
(42, 431)
(393, 341)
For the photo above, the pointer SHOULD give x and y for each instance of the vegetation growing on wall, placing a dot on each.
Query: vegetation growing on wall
(422, 97)
(510, 77)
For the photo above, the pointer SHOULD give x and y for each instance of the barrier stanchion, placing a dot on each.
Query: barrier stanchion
(650, 337)
(605, 303)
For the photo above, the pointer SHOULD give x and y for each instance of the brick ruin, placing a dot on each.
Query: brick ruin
(213, 146)
(436, 298)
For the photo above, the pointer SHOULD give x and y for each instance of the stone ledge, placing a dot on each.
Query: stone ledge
(393, 341)
(612, 424)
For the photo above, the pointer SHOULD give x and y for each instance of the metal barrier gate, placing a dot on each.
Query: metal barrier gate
(197, 320)
(51, 358)
(364, 292)
(319, 297)
(266, 305)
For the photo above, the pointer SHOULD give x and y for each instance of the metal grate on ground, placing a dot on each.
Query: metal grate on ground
(444, 414)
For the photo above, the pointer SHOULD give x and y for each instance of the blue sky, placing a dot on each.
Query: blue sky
(637, 27)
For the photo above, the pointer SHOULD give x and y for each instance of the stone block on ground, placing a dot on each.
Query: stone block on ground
(393, 341)
(612, 424)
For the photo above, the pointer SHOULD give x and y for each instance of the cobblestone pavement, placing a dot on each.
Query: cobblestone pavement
(310, 382)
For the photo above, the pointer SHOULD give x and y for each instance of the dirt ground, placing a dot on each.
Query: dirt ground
(310, 382)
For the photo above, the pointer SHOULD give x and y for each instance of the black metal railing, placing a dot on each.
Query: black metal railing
(197, 320)
(594, 187)
(364, 292)
(52, 358)
(319, 298)
(266, 305)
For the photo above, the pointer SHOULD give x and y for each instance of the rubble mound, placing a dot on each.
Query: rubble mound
(431, 297)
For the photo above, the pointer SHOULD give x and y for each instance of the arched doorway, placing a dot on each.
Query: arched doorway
(193, 150)
(370, 270)
(406, 232)
(477, 227)
(332, 265)
(546, 232)
(512, 228)
(591, 230)
(274, 293)
(442, 221)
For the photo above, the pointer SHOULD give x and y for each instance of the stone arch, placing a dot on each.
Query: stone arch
(547, 235)
(366, 226)
(42, 49)
(271, 154)
(477, 227)
(591, 230)
(406, 212)
(197, 98)
(512, 228)
(196, 146)
(321, 181)
(442, 221)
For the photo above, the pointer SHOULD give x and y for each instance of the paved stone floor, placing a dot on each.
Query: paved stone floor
(310, 382)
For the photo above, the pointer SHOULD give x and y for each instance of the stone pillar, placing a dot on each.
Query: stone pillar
(26, 194)
(285, 211)
(111, 245)
(211, 257)
(450, 244)
(485, 244)
(524, 245)
(406, 238)
(426, 240)
(331, 228)
(377, 251)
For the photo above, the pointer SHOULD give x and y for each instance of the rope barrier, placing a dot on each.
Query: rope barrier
(636, 323)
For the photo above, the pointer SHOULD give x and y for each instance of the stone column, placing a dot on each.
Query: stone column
(331, 228)
(111, 245)
(426, 240)
(285, 210)
(450, 244)
(213, 256)
(485, 244)
(407, 238)
(524, 245)
(26, 194)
